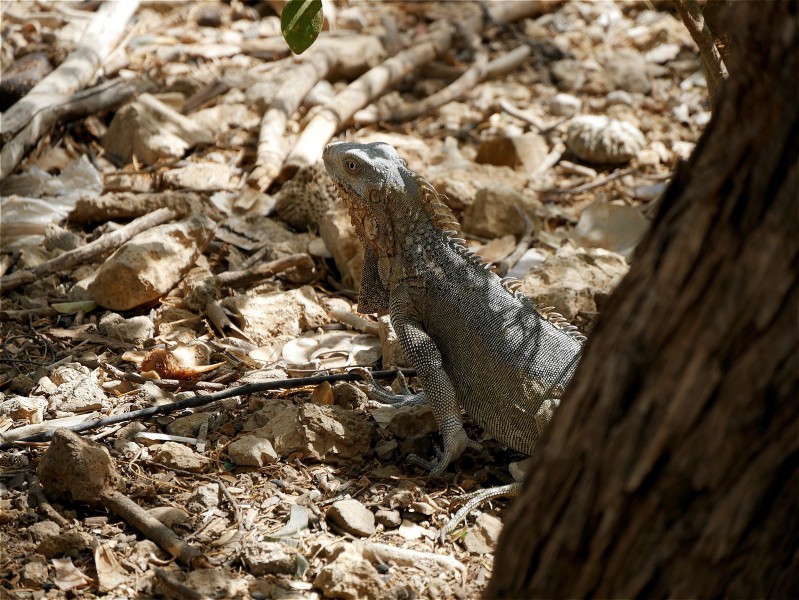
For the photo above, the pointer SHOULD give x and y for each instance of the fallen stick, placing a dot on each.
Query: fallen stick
(375, 82)
(411, 110)
(270, 153)
(100, 98)
(100, 37)
(103, 245)
(382, 553)
(324, 59)
(479, 71)
(259, 272)
(196, 401)
(591, 184)
(369, 86)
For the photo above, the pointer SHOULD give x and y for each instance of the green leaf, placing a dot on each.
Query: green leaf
(301, 23)
(71, 308)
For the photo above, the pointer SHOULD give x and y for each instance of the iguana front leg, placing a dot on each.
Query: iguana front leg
(423, 354)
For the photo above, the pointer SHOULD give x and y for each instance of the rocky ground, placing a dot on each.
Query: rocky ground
(161, 241)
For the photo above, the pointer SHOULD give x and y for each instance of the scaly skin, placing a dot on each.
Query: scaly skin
(475, 343)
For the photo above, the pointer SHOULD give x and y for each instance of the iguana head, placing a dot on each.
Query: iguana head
(384, 198)
(373, 182)
(391, 208)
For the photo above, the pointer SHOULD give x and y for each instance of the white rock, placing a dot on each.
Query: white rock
(150, 264)
(575, 280)
(352, 517)
(564, 105)
(150, 130)
(614, 227)
(350, 576)
(598, 139)
(251, 451)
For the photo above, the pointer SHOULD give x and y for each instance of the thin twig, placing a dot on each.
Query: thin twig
(259, 272)
(196, 401)
(96, 249)
(591, 184)
(164, 383)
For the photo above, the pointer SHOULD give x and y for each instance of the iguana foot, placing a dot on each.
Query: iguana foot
(384, 397)
(455, 442)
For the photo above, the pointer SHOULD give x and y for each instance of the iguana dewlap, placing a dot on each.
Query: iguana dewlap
(476, 344)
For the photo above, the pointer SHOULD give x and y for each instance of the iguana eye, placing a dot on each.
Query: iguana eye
(351, 165)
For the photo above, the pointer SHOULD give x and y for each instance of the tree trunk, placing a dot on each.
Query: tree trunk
(672, 465)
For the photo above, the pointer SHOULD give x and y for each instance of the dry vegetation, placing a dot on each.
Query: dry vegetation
(167, 232)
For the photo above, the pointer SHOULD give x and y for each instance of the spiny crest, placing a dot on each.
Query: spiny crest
(470, 255)
(433, 203)
(559, 321)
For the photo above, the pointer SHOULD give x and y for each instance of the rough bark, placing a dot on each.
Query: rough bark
(672, 466)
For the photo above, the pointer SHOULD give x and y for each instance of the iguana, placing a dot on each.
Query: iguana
(477, 344)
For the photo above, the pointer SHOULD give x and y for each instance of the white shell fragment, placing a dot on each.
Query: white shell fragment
(331, 350)
(599, 139)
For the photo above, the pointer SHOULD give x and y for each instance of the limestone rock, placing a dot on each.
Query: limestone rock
(150, 130)
(528, 150)
(72, 388)
(272, 319)
(251, 451)
(338, 234)
(20, 407)
(626, 70)
(43, 529)
(77, 469)
(413, 420)
(189, 425)
(349, 576)
(564, 105)
(204, 497)
(575, 281)
(614, 227)
(319, 432)
(352, 517)
(269, 558)
(172, 454)
(150, 264)
(390, 344)
(134, 330)
(388, 518)
(206, 176)
(482, 539)
(460, 183)
(71, 543)
(495, 212)
(598, 139)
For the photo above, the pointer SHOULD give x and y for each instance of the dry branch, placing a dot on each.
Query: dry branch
(100, 37)
(322, 61)
(105, 96)
(375, 82)
(714, 68)
(99, 247)
(478, 72)
(259, 272)
(204, 400)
